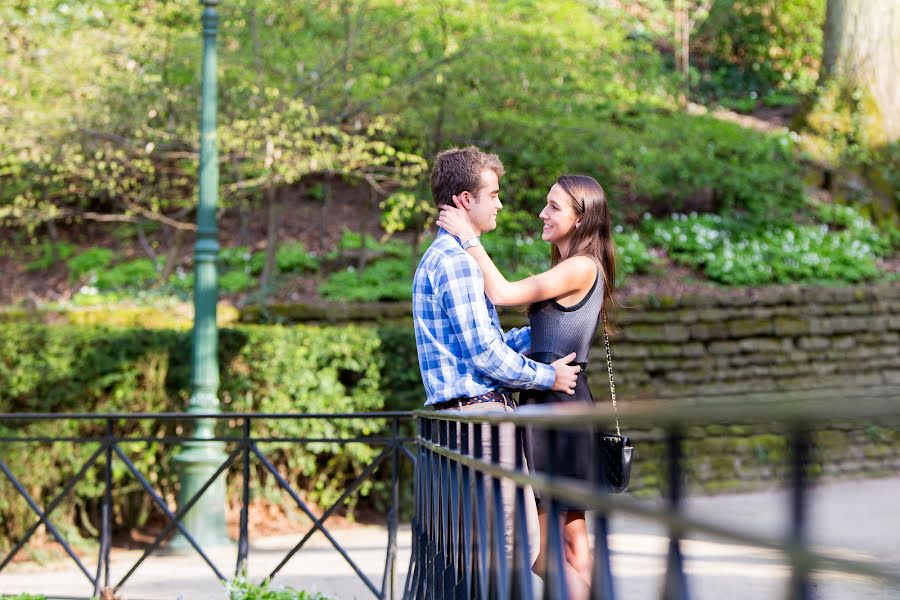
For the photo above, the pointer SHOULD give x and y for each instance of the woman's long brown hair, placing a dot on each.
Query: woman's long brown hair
(593, 237)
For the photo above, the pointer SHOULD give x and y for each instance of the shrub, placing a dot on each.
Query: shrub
(241, 589)
(137, 273)
(740, 253)
(632, 254)
(386, 279)
(47, 254)
(302, 369)
(664, 162)
(517, 255)
(232, 282)
(780, 42)
(88, 261)
(294, 257)
(235, 257)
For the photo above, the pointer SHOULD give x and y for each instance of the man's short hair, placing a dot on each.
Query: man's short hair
(458, 170)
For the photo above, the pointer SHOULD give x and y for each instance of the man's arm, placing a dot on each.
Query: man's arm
(461, 291)
(519, 339)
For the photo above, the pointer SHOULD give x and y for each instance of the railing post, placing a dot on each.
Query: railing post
(244, 535)
(466, 483)
(432, 582)
(800, 451)
(602, 586)
(499, 564)
(391, 561)
(675, 583)
(521, 586)
(555, 585)
(105, 514)
(482, 526)
(454, 547)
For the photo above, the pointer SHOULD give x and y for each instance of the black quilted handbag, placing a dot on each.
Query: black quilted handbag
(616, 449)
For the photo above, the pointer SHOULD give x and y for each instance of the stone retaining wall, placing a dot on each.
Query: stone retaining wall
(778, 340)
(766, 345)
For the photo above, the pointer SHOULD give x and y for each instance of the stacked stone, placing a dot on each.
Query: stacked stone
(779, 340)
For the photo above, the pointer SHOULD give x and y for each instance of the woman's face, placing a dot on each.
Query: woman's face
(558, 215)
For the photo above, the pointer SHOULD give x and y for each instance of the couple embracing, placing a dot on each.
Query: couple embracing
(469, 364)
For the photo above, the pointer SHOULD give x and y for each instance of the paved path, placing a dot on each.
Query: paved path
(857, 519)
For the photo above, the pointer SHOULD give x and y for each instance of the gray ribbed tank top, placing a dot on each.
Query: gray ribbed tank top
(560, 330)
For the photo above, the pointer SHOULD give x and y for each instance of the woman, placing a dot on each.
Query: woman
(566, 306)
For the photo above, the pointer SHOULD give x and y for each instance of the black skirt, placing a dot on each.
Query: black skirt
(570, 454)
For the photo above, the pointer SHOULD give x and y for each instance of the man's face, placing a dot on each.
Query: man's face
(484, 206)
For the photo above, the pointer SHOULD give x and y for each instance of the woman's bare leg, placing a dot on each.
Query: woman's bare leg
(576, 554)
(578, 549)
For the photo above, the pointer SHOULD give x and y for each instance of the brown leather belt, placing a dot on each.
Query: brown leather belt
(492, 396)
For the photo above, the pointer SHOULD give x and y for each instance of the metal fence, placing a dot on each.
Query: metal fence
(243, 448)
(457, 529)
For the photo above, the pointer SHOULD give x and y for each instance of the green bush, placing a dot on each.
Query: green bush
(777, 41)
(241, 589)
(740, 253)
(47, 254)
(301, 369)
(181, 281)
(232, 282)
(386, 279)
(353, 240)
(662, 162)
(294, 257)
(89, 261)
(235, 257)
(632, 254)
(517, 255)
(136, 273)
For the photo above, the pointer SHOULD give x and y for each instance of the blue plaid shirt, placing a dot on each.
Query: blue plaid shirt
(462, 348)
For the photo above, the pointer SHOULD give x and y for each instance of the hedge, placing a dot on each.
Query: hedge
(264, 368)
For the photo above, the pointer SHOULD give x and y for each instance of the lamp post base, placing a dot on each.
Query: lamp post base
(205, 521)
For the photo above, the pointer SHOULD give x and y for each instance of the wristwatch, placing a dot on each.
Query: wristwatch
(474, 241)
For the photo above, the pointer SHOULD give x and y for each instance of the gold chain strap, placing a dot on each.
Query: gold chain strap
(612, 383)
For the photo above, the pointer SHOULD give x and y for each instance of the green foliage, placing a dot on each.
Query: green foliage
(517, 255)
(648, 164)
(632, 254)
(353, 240)
(48, 253)
(232, 282)
(23, 597)
(235, 257)
(136, 273)
(386, 279)
(302, 369)
(404, 210)
(89, 261)
(773, 43)
(294, 257)
(740, 253)
(181, 281)
(242, 589)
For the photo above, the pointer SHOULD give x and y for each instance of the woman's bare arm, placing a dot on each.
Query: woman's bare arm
(568, 277)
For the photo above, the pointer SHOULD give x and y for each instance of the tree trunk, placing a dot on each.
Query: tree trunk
(172, 255)
(363, 227)
(861, 59)
(270, 267)
(323, 213)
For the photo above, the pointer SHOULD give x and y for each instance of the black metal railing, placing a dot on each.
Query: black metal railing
(242, 447)
(458, 525)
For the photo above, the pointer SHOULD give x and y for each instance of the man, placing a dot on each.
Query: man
(467, 362)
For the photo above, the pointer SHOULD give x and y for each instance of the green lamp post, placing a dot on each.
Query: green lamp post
(197, 461)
